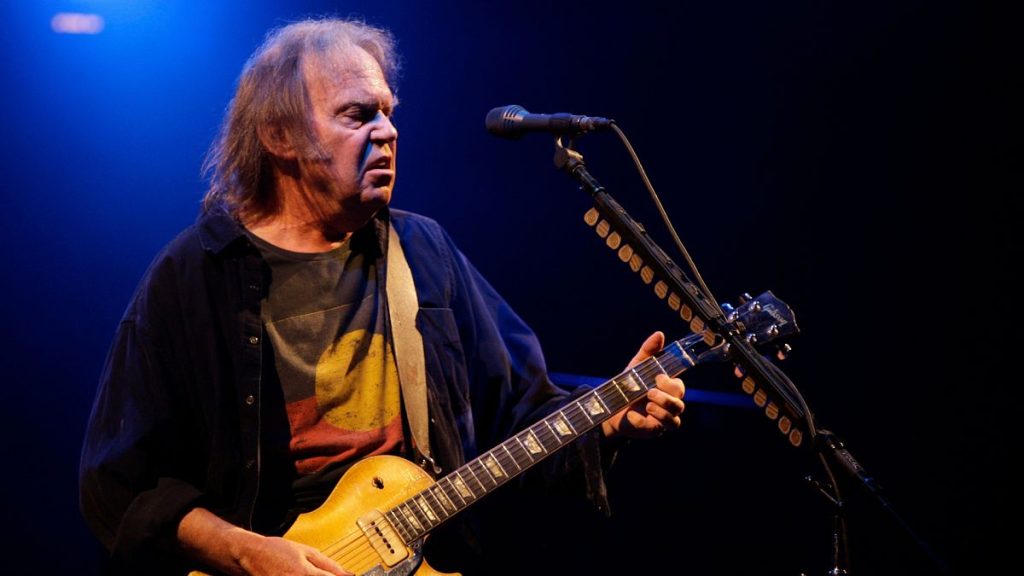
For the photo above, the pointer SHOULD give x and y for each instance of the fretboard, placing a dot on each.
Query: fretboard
(423, 512)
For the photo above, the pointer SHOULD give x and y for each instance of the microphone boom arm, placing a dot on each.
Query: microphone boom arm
(671, 283)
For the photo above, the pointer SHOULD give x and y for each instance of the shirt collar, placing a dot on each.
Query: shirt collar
(218, 229)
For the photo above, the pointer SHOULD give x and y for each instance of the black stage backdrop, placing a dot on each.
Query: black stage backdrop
(852, 158)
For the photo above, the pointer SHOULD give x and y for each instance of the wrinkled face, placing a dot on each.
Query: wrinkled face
(351, 118)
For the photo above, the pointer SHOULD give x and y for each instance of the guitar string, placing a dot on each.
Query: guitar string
(342, 549)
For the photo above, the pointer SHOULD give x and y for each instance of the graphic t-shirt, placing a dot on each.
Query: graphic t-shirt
(325, 321)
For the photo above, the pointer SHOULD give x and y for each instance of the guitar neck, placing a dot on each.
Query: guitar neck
(420, 514)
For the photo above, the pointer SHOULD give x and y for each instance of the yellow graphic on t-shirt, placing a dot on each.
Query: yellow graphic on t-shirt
(357, 382)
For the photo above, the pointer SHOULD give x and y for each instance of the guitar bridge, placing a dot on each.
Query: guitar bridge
(383, 538)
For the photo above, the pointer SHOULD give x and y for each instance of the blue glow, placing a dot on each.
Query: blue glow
(76, 23)
(695, 396)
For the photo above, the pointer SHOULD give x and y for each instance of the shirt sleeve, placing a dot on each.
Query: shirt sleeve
(132, 493)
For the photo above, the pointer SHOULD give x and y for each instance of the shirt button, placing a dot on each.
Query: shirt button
(254, 339)
(250, 400)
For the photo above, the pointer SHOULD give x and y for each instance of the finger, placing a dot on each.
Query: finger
(663, 417)
(324, 563)
(654, 343)
(674, 387)
(667, 402)
(637, 420)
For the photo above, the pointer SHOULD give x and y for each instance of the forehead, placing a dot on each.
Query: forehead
(348, 72)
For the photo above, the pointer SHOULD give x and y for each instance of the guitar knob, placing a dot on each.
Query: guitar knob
(783, 351)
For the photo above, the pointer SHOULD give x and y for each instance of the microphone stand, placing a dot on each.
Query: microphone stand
(761, 378)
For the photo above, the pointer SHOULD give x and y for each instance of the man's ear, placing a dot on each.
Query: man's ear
(277, 140)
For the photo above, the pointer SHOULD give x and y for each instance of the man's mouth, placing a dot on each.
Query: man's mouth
(382, 163)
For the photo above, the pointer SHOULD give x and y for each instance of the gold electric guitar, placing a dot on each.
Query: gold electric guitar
(376, 519)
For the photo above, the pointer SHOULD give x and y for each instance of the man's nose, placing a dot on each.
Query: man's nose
(383, 129)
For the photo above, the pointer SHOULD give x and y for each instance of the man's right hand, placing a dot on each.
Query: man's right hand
(229, 549)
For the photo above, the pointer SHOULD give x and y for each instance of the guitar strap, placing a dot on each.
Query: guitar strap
(408, 344)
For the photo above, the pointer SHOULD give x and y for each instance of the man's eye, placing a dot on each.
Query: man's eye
(363, 114)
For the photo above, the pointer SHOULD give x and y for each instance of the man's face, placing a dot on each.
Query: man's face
(351, 110)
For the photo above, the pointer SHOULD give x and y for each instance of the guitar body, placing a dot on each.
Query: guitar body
(347, 527)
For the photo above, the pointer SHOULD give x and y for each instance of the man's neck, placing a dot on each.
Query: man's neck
(295, 235)
(296, 225)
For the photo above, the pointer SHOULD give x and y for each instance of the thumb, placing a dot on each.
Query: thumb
(654, 343)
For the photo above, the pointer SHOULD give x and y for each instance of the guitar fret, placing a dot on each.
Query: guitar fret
(533, 444)
(469, 467)
(519, 453)
(578, 418)
(596, 406)
(638, 380)
(618, 388)
(584, 411)
(614, 400)
(399, 523)
(452, 488)
(683, 354)
(428, 511)
(446, 504)
(524, 449)
(655, 359)
(411, 516)
(418, 512)
(440, 505)
(562, 419)
(512, 457)
(463, 488)
(554, 435)
(484, 468)
(493, 467)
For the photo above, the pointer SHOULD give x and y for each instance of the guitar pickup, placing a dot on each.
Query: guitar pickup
(382, 536)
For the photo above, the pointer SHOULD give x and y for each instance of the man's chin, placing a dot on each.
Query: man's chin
(376, 197)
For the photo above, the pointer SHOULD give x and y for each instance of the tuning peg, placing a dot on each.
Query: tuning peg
(745, 297)
(783, 351)
(730, 312)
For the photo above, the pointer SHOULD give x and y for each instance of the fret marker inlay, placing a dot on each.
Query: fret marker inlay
(561, 426)
(531, 443)
(493, 467)
(631, 384)
(464, 490)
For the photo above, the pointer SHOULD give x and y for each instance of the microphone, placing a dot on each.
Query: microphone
(513, 121)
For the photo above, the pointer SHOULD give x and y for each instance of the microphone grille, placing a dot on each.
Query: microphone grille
(504, 119)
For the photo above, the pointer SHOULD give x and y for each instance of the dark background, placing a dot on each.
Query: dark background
(854, 158)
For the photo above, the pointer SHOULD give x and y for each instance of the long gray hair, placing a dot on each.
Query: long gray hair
(272, 91)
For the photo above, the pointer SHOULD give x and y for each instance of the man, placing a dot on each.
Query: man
(257, 359)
